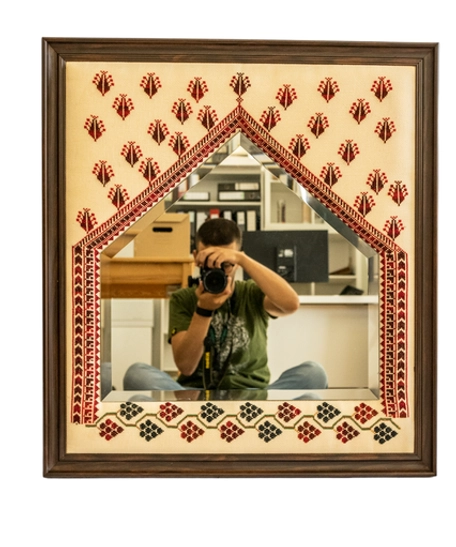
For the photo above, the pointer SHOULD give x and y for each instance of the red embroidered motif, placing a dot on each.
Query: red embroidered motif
(118, 196)
(103, 81)
(330, 173)
(376, 180)
(182, 110)
(86, 219)
(385, 129)
(364, 203)
(158, 131)
(95, 127)
(398, 192)
(207, 117)
(328, 89)
(230, 432)
(270, 118)
(359, 110)
(149, 169)
(346, 432)
(123, 105)
(103, 172)
(151, 84)
(287, 412)
(286, 96)
(131, 152)
(109, 429)
(240, 83)
(348, 151)
(190, 431)
(381, 88)
(299, 146)
(318, 124)
(307, 432)
(197, 88)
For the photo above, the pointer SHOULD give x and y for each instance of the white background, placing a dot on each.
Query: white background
(108, 512)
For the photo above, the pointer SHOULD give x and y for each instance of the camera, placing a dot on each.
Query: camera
(214, 280)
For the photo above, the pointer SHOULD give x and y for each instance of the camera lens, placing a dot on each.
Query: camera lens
(215, 280)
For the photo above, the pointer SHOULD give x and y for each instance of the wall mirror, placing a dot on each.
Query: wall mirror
(341, 138)
(134, 323)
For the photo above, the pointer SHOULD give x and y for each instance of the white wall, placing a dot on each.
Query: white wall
(274, 512)
(336, 336)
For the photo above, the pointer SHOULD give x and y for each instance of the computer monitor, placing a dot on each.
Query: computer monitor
(297, 256)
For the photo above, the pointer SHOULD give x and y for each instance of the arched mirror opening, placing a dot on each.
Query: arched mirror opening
(334, 272)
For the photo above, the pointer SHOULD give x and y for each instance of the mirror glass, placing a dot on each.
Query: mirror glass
(336, 325)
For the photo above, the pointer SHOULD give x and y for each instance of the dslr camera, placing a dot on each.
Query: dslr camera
(214, 280)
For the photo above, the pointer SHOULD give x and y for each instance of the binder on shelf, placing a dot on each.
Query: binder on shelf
(192, 219)
(240, 220)
(201, 217)
(239, 195)
(227, 213)
(233, 186)
(239, 191)
(196, 196)
(251, 220)
(214, 213)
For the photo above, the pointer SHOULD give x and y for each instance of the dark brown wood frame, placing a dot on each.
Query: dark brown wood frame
(57, 462)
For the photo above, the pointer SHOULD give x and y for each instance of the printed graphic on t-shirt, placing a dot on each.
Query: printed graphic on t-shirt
(237, 339)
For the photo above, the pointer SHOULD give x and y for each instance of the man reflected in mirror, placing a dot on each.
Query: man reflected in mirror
(218, 329)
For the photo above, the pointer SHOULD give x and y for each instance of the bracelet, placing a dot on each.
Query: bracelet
(203, 312)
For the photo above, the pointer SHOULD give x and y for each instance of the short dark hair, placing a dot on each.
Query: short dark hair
(218, 231)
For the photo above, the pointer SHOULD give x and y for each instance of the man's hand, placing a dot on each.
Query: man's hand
(219, 257)
(222, 258)
(210, 301)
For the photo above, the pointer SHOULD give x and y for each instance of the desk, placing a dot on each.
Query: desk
(143, 277)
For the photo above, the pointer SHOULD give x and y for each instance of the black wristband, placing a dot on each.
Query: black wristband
(203, 312)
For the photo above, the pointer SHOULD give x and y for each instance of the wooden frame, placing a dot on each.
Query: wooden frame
(62, 456)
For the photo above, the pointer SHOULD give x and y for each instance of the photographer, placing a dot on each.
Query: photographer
(219, 338)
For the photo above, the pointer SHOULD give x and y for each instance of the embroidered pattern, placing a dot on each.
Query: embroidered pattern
(150, 84)
(286, 96)
(393, 262)
(103, 81)
(197, 88)
(328, 89)
(95, 127)
(381, 87)
(103, 172)
(318, 124)
(326, 421)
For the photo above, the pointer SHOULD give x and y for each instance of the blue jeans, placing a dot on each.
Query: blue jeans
(308, 375)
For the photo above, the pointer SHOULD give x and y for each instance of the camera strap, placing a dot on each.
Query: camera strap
(213, 371)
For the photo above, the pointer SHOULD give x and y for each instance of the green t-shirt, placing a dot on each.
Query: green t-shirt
(239, 334)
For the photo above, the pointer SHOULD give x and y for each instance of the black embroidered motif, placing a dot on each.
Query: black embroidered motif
(149, 430)
(384, 433)
(130, 410)
(250, 412)
(327, 412)
(268, 431)
(210, 412)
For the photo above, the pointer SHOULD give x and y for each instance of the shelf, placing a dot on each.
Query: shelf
(144, 277)
(342, 278)
(218, 204)
(335, 299)
(297, 226)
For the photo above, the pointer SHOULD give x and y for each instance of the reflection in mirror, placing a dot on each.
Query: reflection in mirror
(336, 324)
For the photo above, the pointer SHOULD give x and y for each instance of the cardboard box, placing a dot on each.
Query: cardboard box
(168, 236)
